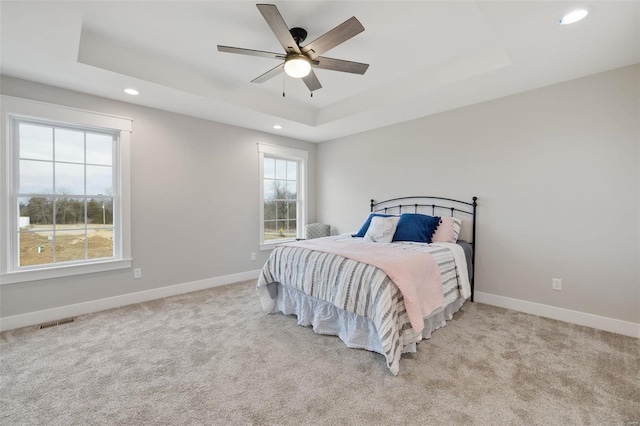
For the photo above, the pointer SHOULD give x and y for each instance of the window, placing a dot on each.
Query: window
(282, 194)
(66, 190)
(280, 198)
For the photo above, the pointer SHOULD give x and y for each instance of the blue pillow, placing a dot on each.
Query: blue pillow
(416, 227)
(364, 228)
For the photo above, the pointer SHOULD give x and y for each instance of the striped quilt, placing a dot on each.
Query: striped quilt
(356, 287)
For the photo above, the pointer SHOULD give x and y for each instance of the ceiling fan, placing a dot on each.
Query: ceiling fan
(299, 60)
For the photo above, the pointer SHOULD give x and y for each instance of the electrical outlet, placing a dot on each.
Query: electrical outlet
(253, 256)
(556, 284)
(137, 273)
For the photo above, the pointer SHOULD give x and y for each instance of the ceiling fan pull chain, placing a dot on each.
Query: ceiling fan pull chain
(283, 85)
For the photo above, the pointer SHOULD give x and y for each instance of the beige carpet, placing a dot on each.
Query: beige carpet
(213, 357)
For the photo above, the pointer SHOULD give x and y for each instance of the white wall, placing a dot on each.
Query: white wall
(182, 168)
(556, 171)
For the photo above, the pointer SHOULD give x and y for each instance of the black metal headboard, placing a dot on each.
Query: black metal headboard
(437, 205)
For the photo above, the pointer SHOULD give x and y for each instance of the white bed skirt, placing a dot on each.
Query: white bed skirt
(354, 330)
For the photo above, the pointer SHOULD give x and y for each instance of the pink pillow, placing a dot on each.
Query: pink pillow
(448, 230)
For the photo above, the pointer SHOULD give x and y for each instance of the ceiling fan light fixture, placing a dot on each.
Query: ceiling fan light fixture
(297, 66)
(573, 17)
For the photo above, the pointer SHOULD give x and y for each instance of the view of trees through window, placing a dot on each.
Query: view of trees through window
(280, 198)
(65, 197)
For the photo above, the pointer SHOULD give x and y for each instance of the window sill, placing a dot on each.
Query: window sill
(63, 271)
(271, 246)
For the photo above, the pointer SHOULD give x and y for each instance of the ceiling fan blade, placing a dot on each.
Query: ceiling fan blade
(339, 34)
(241, 51)
(341, 65)
(312, 81)
(269, 74)
(279, 27)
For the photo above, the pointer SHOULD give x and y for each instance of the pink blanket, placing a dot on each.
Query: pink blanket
(415, 273)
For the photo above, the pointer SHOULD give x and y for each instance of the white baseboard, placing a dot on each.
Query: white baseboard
(589, 320)
(38, 317)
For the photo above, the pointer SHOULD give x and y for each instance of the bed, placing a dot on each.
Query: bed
(373, 293)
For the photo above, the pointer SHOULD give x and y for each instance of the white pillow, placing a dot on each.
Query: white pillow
(381, 229)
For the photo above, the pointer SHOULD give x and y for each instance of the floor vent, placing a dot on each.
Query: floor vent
(56, 323)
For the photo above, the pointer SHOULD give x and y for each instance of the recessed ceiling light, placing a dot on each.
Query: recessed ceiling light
(277, 126)
(573, 17)
(131, 92)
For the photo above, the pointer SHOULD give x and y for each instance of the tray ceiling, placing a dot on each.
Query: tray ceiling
(425, 57)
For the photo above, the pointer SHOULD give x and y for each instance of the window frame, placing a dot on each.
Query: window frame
(290, 154)
(14, 110)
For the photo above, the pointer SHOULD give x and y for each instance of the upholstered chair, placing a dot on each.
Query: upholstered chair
(316, 230)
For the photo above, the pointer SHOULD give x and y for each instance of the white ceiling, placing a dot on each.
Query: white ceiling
(425, 57)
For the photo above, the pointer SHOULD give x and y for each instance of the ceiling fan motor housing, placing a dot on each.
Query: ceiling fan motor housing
(298, 34)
